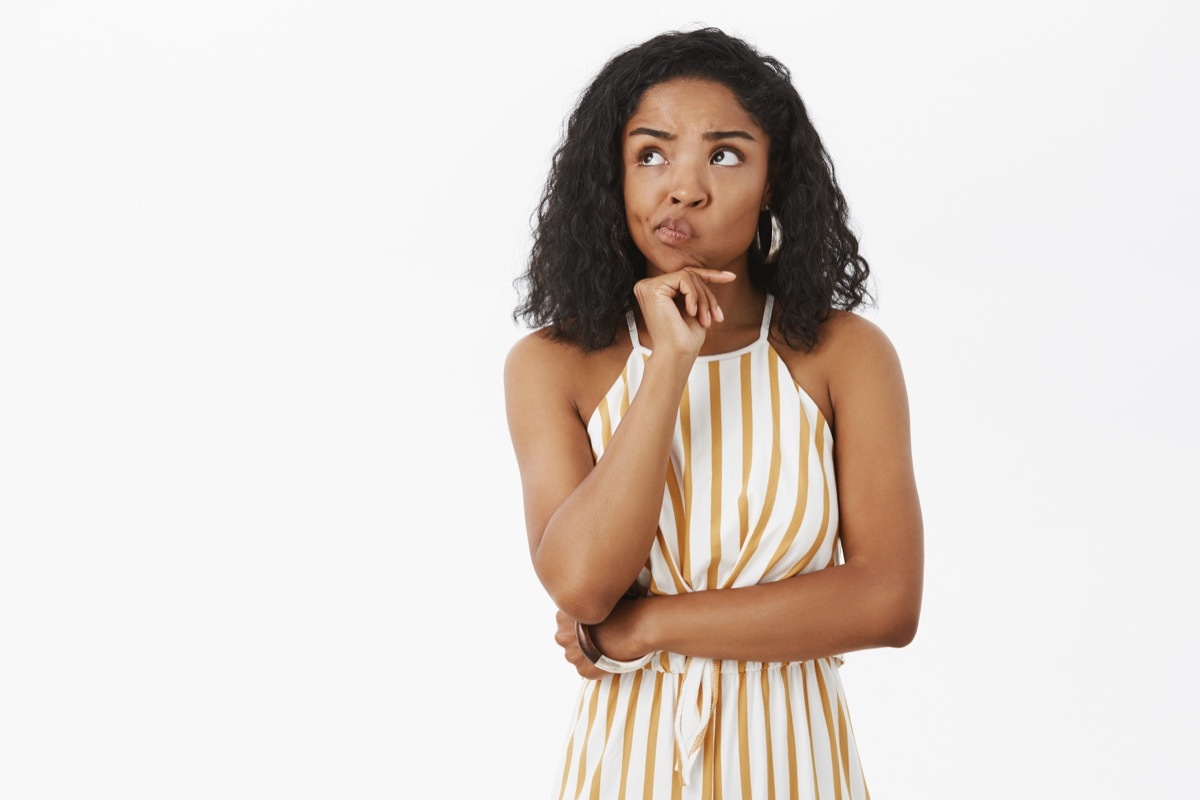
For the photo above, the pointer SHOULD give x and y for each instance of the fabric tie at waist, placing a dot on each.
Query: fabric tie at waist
(699, 693)
(692, 718)
(694, 704)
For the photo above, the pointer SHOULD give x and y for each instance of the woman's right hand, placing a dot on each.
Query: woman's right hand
(678, 308)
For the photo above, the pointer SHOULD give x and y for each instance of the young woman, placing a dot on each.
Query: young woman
(674, 424)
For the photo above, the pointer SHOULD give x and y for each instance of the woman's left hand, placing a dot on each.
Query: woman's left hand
(614, 637)
(566, 638)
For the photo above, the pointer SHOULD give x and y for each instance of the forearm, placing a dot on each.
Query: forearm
(830, 611)
(598, 539)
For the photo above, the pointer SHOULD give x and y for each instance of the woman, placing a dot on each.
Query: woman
(674, 425)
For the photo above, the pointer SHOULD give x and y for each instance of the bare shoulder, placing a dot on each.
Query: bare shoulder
(851, 339)
(544, 364)
(535, 350)
(865, 379)
(539, 366)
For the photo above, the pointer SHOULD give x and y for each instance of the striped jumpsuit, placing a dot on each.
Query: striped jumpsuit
(750, 497)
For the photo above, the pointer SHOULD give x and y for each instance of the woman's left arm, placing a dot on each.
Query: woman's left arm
(872, 600)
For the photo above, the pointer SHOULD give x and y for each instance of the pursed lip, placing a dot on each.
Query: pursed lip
(674, 229)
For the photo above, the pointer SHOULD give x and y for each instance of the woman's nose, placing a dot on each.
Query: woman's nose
(688, 188)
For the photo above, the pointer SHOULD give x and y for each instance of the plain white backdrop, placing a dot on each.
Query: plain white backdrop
(261, 529)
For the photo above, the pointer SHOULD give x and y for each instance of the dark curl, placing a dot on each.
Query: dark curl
(584, 263)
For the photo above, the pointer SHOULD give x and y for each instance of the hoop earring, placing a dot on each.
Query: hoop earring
(768, 228)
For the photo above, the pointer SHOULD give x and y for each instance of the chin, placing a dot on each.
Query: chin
(675, 261)
(674, 266)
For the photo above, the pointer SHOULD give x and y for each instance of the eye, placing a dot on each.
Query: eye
(647, 158)
(727, 157)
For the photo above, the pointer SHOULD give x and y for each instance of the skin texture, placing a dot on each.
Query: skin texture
(591, 526)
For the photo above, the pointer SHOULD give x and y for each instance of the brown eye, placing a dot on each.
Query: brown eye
(727, 158)
(646, 158)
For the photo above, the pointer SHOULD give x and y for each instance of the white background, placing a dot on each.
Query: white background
(261, 530)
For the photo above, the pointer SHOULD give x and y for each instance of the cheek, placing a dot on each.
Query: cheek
(635, 196)
(748, 204)
(640, 206)
(743, 224)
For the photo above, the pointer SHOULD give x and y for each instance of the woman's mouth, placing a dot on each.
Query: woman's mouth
(674, 231)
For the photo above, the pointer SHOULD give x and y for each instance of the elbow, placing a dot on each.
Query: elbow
(896, 612)
(575, 597)
(583, 610)
(902, 631)
(900, 626)
(583, 606)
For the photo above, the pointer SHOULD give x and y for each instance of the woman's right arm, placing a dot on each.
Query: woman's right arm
(590, 526)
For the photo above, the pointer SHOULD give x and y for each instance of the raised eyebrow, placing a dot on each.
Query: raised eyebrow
(713, 136)
(670, 137)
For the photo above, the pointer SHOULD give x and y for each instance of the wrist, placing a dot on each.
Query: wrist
(674, 369)
(623, 635)
(593, 653)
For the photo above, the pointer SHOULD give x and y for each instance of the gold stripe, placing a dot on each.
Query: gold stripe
(603, 411)
(676, 779)
(614, 688)
(680, 527)
(801, 497)
(812, 752)
(743, 735)
(652, 736)
(570, 748)
(766, 694)
(861, 776)
(605, 425)
(833, 750)
(747, 448)
(587, 735)
(714, 526)
(681, 585)
(630, 717)
(843, 743)
(816, 546)
(718, 760)
(802, 393)
(712, 743)
(685, 426)
(624, 405)
(793, 786)
(772, 477)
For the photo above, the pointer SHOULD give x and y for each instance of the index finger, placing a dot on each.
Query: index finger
(723, 274)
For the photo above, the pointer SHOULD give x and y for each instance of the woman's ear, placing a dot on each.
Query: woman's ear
(766, 201)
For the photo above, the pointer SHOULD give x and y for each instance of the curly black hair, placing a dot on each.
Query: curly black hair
(584, 263)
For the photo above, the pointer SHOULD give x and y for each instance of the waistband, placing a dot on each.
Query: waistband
(699, 693)
(677, 663)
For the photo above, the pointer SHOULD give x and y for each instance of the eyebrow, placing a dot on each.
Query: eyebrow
(670, 137)
(711, 136)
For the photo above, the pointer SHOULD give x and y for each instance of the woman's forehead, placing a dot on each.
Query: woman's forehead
(691, 104)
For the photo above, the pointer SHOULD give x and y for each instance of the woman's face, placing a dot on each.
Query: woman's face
(695, 176)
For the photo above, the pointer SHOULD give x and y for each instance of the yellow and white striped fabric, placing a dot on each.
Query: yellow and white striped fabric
(750, 497)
